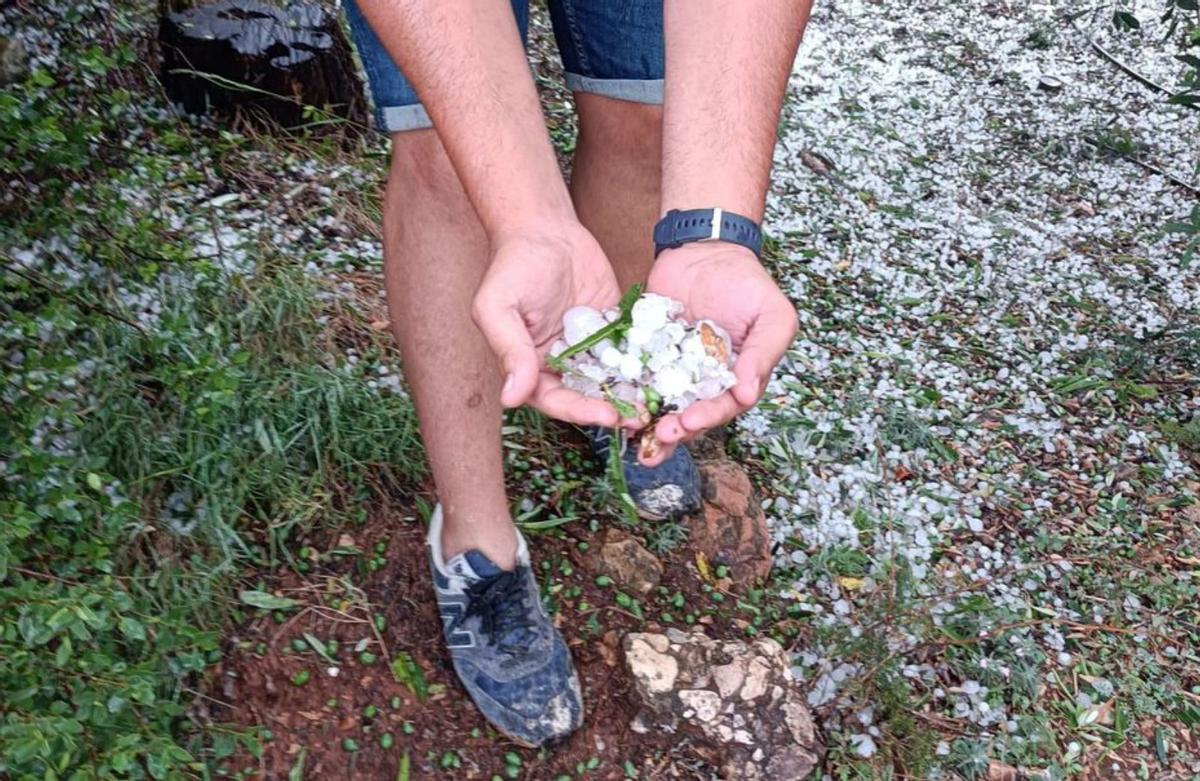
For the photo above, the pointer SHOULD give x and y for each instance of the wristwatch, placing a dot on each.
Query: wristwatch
(681, 227)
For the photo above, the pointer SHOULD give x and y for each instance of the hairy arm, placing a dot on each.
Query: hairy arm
(727, 68)
(726, 74)
(468, 66)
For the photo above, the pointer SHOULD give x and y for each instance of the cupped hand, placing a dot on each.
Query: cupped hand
(536, 274)
(727, 284)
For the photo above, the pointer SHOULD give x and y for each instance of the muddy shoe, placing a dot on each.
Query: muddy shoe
(509, 657)
(659, 493)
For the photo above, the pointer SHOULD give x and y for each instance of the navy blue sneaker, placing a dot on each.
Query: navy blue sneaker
(659, 493)
(509, 657)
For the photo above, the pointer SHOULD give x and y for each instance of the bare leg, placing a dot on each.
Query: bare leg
(617, 179)
(435, 254)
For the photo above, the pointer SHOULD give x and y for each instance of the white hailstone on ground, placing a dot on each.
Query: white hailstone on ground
(659, 357)
(864, 745)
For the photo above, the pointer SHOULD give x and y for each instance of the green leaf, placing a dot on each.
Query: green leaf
(158, 765)
(318, 646)
(94, 482)
(297, 771)
(549, 523)
(60, 618)
(62, 654)
(1185, 99)
(1140, 391)
(1123, 20)
(624, 408)
(264, 439)
(613, 330)
(406, 671)
(946, 452)
(265, 601)
(132, 628)
(1189, 59)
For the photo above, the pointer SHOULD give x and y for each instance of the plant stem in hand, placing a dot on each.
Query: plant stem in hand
(614, 330)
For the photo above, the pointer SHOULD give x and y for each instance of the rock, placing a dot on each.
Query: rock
(14, 60)
(290, 57)
(1050, 83)
(631, 566)
(654, 670)
(741, 696)
(732, 528)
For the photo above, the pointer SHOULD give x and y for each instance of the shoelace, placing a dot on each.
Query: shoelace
(500, 604)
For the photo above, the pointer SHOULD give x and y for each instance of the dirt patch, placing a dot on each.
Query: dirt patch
(1164, 751)
(366, 600)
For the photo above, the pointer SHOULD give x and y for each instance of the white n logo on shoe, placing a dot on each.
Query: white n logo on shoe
(459, 637)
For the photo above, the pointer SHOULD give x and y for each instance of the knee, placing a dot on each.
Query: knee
(622, 128)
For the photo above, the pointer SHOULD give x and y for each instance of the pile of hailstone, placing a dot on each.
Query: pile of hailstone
(643, 352)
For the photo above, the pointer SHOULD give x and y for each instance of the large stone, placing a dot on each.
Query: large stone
(654, 670)
(14, 60)
(631, 566)
(262, 61)
(740, 695)
(732, 529)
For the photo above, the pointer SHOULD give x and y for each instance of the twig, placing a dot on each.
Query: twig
(13, 267)
(1175, 180)
(1136, 76)
(1128, 70)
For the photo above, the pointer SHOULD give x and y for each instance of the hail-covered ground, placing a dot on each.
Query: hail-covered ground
(975, 449)
(979, 458)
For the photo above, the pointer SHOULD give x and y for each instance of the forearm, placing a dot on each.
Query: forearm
(468, 66)
(727, 68)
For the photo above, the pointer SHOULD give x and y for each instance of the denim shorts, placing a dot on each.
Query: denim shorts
(612, 48)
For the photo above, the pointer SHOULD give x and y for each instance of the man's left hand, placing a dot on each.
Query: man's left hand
(727, 284)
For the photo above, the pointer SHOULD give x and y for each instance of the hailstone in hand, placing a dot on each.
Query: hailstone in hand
(656, 359)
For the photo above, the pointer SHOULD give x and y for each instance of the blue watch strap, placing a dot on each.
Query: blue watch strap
(680, 227)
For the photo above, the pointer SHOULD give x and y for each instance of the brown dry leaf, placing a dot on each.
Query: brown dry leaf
(817, 163)
(608, 648)
(714, 344)
(998, 771)
(648, 447)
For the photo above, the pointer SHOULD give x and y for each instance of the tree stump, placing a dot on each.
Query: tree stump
(291, 66)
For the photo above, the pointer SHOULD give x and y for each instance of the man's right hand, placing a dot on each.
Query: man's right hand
(536, 274)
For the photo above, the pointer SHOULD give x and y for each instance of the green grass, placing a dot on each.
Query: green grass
(113, 606)
(150, 468)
